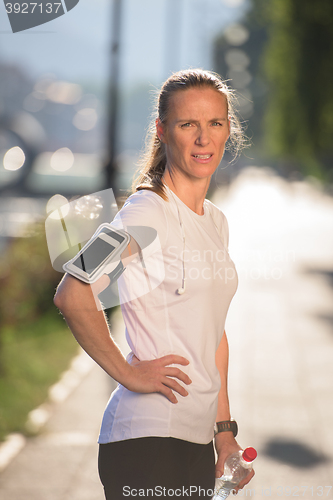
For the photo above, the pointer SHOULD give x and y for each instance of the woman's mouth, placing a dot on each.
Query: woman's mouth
(203, 157)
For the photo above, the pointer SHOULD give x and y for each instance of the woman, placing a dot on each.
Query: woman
(158, 427)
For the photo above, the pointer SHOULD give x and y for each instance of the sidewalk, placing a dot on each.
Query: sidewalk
(61, 463)
(281, 351)
(279, 328)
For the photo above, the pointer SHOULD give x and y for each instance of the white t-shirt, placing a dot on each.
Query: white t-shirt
(160, 321)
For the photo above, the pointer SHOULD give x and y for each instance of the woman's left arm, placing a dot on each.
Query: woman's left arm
(225, 443)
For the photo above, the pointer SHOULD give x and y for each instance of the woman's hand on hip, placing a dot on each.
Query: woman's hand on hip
(157, 376)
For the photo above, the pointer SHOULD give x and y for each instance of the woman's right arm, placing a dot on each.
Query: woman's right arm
(76, 302)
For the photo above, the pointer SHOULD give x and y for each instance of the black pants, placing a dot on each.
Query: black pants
(157, 467)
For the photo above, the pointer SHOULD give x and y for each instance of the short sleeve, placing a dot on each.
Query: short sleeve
(141, 216)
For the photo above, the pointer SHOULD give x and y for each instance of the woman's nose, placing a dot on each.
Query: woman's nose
(203, 137)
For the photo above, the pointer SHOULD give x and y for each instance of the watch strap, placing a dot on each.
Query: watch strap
(225, 426)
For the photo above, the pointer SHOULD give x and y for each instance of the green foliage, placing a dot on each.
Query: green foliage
(35, 344)
(290, 48)
(27, 284)
(27, 280)
(34, 356)
(298, 63)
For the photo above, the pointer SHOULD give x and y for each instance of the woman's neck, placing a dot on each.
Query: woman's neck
(192, 193)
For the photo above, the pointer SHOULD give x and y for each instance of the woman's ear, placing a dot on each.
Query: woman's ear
(160, 130)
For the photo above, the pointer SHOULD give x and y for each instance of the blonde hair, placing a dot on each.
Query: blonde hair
(153, 161)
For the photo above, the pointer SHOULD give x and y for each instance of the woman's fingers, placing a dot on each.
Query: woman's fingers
(173, 359)
(176, 372)
(157, 376)
(175, 386)
(168, 394)
(246, 480)
(169, 359)
(169, 371)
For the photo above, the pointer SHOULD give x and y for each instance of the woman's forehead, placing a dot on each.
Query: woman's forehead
(196, 100)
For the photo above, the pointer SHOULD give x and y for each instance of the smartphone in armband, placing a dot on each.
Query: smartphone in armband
(100, 255)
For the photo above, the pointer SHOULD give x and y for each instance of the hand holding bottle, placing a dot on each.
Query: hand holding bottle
(236, 467)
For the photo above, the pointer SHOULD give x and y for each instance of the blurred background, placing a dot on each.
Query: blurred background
(76, 97)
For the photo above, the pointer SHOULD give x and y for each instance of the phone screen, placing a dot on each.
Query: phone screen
(114, 235)
(94, 255)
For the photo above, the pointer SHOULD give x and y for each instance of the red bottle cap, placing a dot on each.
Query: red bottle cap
(249, 454)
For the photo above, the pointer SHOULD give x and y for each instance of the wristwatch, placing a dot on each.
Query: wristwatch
(226, 425)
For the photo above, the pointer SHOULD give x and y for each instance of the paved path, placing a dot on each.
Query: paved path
(60, 464)
(280, 332)
(281, 351)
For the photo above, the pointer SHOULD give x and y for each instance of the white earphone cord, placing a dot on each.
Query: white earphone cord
(182, 289)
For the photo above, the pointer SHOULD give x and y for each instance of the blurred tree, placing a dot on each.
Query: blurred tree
(245, 40)
(298, 64)
(27, 282)
(290, 46)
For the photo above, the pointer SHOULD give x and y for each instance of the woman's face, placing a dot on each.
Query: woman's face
(195, 132)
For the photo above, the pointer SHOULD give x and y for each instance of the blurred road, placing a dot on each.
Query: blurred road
(280, 331)
(281, 350)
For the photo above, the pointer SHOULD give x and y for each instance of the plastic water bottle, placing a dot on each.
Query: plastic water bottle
(236, 467)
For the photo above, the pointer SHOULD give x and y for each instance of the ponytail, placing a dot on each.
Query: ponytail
(151, 165)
